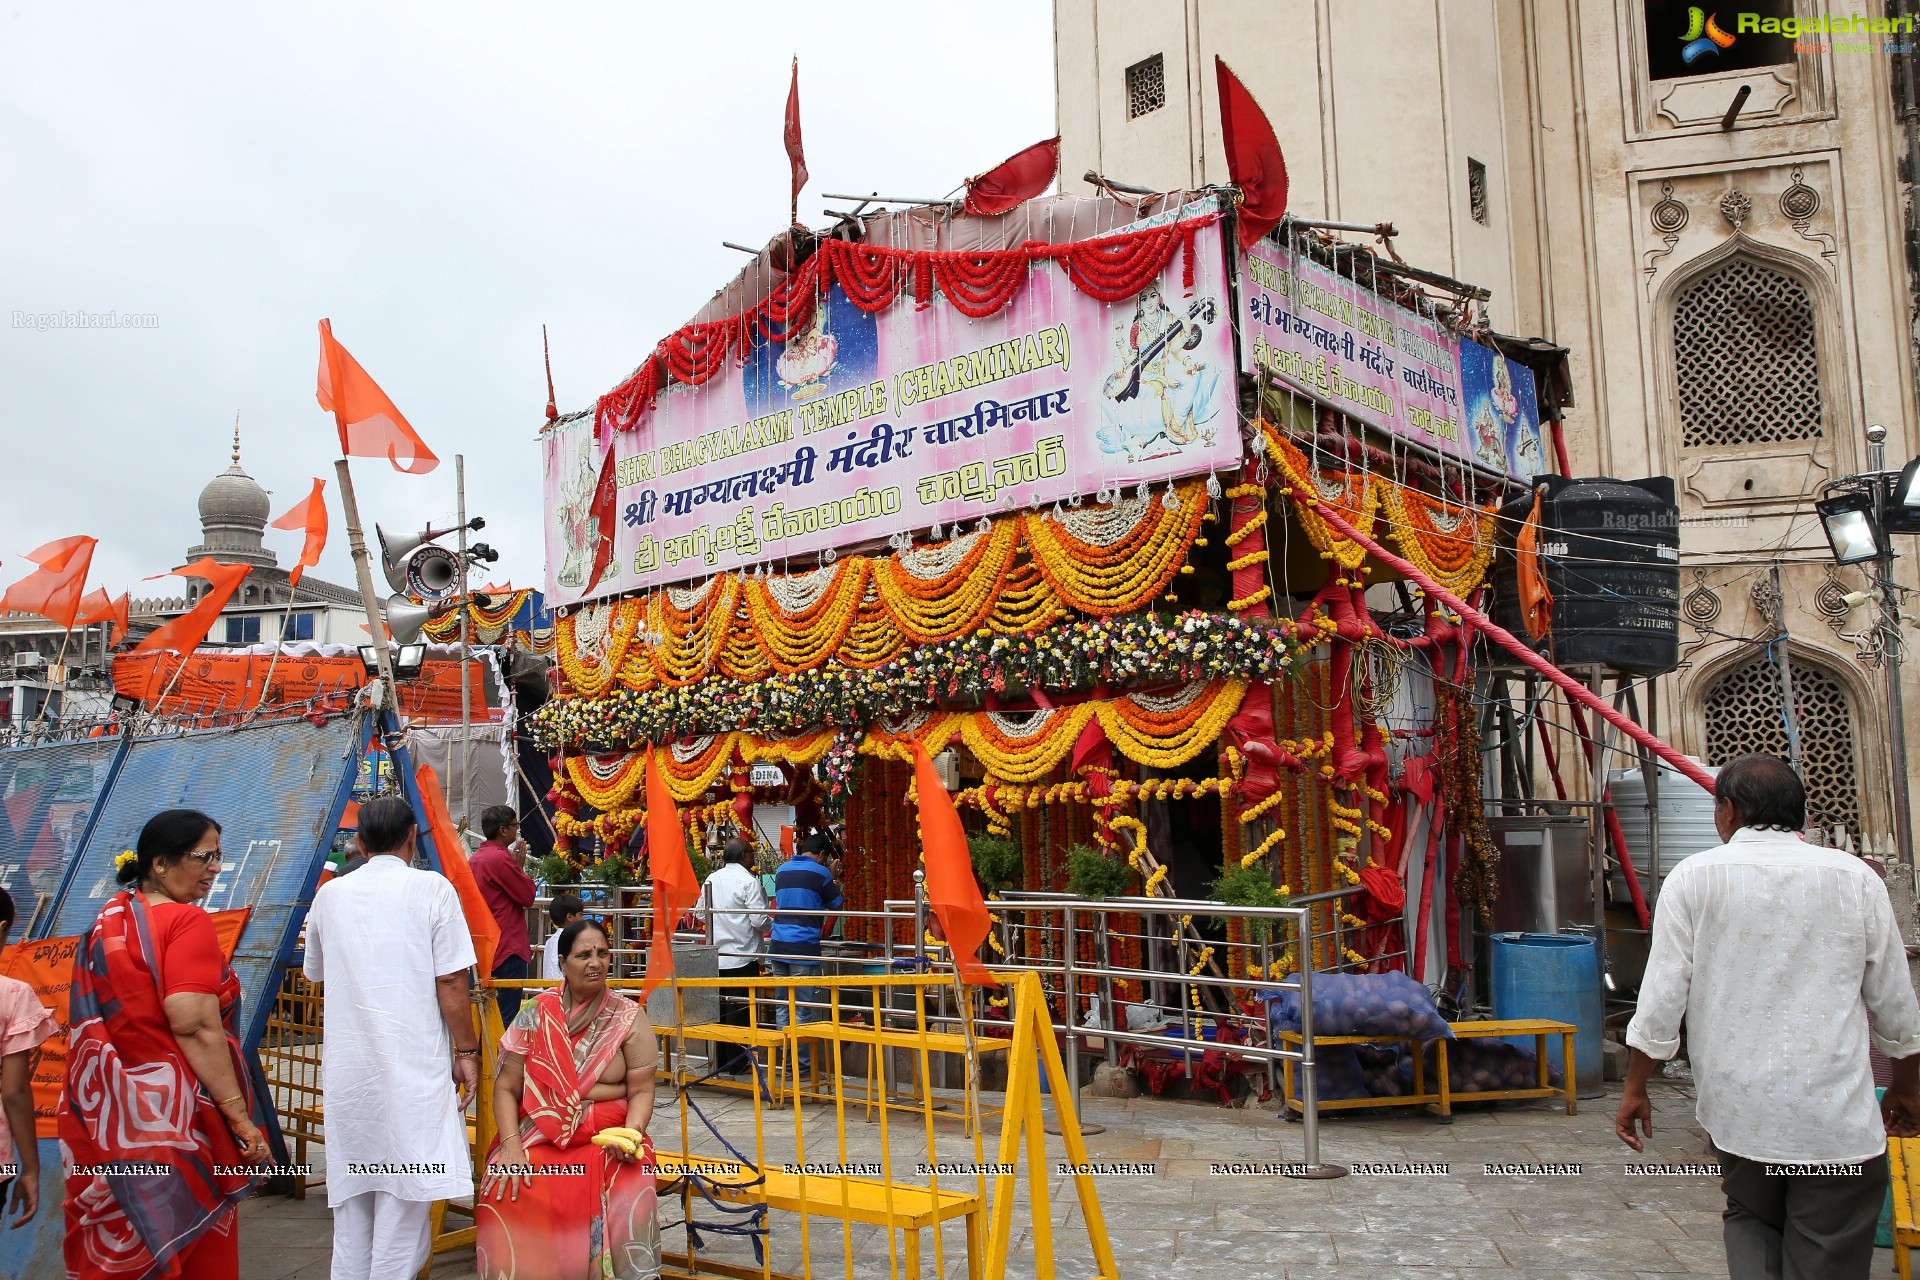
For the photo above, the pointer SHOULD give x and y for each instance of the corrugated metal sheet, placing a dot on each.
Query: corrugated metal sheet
(47, 794)
(274, 789)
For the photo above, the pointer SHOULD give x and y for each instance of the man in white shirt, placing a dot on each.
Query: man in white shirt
(1775, 951)
(392, 950)
(740, 914)
(561, 912)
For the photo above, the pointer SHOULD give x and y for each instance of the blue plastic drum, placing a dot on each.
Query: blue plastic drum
(1557, 976)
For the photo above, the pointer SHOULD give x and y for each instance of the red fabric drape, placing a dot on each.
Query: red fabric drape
(1254, 161)
(1110, 268)
(1020, 177)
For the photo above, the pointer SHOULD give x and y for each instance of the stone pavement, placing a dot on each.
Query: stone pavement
(1189, 1218)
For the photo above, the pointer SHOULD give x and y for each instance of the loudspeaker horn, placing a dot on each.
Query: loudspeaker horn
(405, 619)
(396, 547)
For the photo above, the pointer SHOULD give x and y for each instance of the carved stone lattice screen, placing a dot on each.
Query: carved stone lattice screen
(1745, 358)
(1744, 715)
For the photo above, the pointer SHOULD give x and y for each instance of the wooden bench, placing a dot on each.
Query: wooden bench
(865, 1200)
(776, 1041)
(1420, 1097)
(880, 1040)
(1903, 1159)
(1539, 1029)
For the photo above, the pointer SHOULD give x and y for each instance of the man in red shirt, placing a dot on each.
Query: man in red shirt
(499, 868)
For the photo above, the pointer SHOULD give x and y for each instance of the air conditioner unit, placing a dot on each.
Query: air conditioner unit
(28, 662)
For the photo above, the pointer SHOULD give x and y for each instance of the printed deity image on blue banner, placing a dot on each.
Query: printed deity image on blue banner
(1503, 414)
(838, 349)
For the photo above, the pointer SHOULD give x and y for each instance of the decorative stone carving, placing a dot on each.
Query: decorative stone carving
(1735, 206)
(1701, 606)
(1830, 600)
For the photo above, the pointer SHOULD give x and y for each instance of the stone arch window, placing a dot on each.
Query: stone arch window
(1743, 715)
(1746, 358)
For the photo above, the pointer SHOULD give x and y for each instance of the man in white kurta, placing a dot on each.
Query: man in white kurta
(392, 950)
(1775, 952)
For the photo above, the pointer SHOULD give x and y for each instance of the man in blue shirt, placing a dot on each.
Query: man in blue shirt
(803, 885)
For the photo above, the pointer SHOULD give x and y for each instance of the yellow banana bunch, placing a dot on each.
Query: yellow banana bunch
(629, 1141)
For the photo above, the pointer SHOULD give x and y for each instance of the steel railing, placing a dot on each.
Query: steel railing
(1201, 962)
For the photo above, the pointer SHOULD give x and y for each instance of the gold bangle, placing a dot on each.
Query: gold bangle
(238, 1097)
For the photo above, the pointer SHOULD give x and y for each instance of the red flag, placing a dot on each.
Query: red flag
(370, 425)
(310, 514)
(454, 866)
(674, 886)
(95, 607)
(603, 512)
(796, 155)
(1021, 176)
(53, 591)
(1254, 162)
(184, 633)
(952, 891)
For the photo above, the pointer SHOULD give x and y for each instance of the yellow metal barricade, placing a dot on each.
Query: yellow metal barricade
(932, 1206)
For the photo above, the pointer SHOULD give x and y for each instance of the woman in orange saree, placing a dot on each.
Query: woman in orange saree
(577, 1060)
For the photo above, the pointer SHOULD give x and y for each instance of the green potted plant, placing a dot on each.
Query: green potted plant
(1093, 874)
(1251, 887)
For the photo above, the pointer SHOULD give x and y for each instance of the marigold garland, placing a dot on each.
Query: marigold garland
(806, 637)
(955, 599)
(689, 639)
(1024, 751)
(608, 780)
(1125, 574)
(1355, 497)
(592, 643)
(1451, 543)
(1022, 575)
(1169, 740)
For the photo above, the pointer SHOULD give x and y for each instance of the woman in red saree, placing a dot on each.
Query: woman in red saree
(577, 1060)
(155, 1125)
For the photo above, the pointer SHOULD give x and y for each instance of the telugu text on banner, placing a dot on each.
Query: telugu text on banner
(1377, 362)
(869, 424)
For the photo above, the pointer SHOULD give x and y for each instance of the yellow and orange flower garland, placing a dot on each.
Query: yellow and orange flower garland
(1020, 574)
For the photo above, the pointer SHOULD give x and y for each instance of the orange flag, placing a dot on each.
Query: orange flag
(370, 426)
(185, 632)
(95, 607)
(54, 555)
(675, 887)
(310, 514)
(453, 865)
(952, 891)
(53, 591)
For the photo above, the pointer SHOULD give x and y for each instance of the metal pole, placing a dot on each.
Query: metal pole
(466, 621)
(1073, 1017)
(1890, 651)
(1103, 940)
(1309, 1087)
(1896, 714)
(1790, 712)
(919, 918)
(363, 571)
(1599, 741)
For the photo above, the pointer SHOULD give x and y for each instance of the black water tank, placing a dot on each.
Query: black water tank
(1612, 552)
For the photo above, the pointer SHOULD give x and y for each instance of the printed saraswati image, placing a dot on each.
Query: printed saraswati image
(575, 518)
(1161, 398)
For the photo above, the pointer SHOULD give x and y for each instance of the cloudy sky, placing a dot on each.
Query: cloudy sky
(440, 180)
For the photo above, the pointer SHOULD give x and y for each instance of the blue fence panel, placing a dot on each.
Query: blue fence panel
(276, 790)
(47, 793)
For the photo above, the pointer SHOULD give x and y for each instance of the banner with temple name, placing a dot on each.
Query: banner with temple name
(865, 425)
(1345, 346)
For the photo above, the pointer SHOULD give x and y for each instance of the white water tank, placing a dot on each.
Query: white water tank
(1686, 817)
